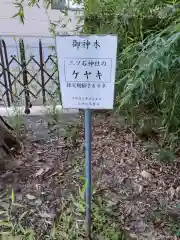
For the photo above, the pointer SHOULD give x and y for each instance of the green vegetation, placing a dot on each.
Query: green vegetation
(68, 225)
(69, 222)
(147, 84)
(16, 120)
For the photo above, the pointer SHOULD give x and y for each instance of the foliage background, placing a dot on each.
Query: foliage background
(147, 84)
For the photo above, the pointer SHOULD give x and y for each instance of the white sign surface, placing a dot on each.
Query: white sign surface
(87, 70)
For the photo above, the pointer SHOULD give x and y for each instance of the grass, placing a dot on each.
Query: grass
(68, 225)
(52, 114)
(53, 118)
(169, 219)
(16, 120)
(147, 60)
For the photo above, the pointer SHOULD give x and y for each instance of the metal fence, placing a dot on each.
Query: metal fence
(30, 79)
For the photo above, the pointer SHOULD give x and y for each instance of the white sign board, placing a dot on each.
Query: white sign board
(87, 70)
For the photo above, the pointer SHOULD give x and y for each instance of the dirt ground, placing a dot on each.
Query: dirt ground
(142, 193)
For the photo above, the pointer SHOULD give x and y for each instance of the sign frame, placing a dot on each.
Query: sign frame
(112, 71)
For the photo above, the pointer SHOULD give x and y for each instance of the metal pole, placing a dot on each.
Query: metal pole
(88, 158)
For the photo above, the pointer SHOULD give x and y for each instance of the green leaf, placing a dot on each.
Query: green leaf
(12, 196)
(5, 224)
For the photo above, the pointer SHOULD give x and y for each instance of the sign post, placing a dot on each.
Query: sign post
(87, 66)
(88, 160)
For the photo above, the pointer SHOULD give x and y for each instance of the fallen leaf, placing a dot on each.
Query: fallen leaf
(55, 173)
(138, 188)
(47, 215)
(178, 192)
(4, 205)
(30, 197)
(146, 175)
(171, 192)
(7, 174)
(39, 172)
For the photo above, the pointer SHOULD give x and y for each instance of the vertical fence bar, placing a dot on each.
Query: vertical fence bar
(25, 80)
(88, 162)
(4, 74)
(42, 71)
(58, 75)
(8, 70)
(59, 90)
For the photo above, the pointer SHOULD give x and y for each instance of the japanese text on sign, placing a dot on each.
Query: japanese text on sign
(90, 70)
(87, 70)
(86, 44)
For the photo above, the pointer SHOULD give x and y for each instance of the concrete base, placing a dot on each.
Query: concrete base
(34, 111)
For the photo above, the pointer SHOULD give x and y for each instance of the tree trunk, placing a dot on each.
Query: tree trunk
(8, 141)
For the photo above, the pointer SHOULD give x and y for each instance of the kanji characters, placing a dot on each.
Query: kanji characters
(88, 62)
(79, 85)
(96, 44)
(84, 63)
(87, 101)
(76, 44)
(85, 85)
(85, 44)
(87, 73)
